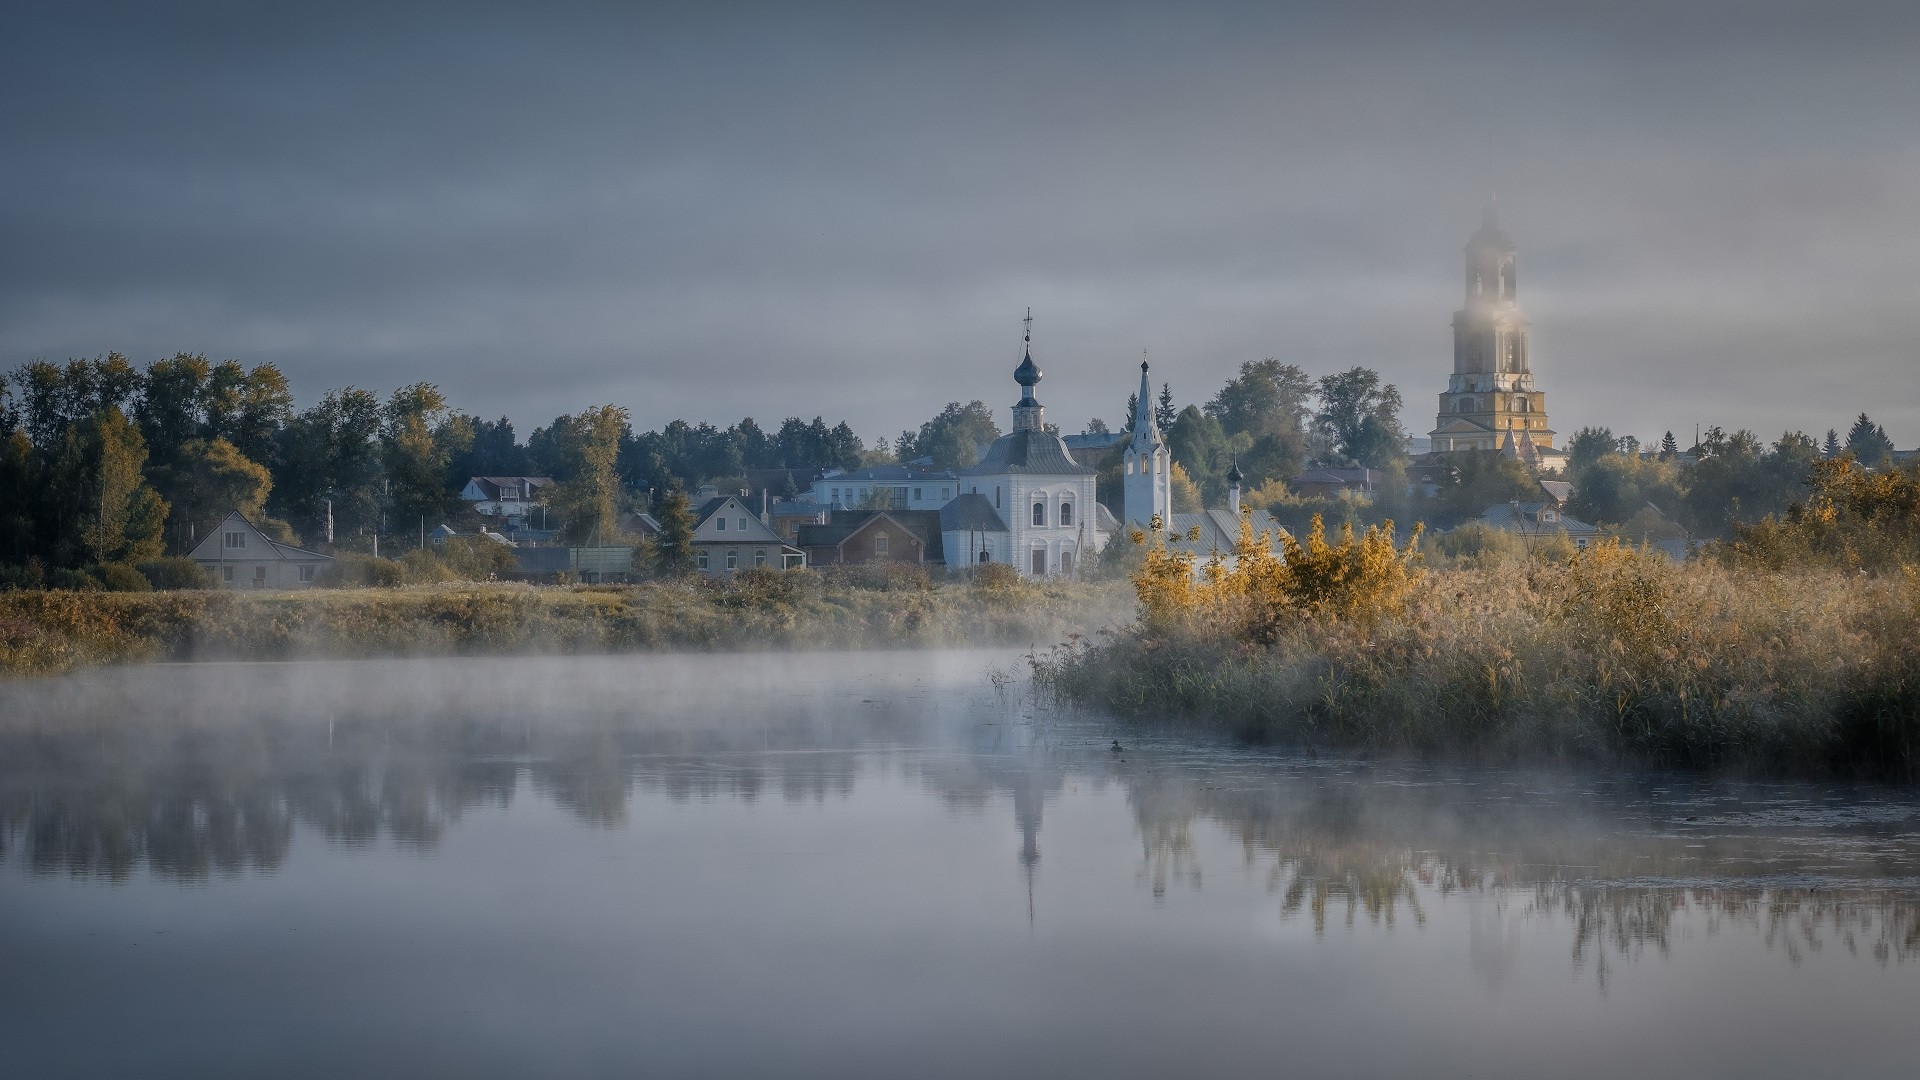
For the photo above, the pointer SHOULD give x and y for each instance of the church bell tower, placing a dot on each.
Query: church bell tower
(1491, 402)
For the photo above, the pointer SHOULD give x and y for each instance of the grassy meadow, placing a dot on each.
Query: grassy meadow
(51, 631)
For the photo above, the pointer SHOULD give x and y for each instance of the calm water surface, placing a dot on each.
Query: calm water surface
(890, 865)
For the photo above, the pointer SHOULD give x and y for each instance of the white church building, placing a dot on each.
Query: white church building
(1034, 486)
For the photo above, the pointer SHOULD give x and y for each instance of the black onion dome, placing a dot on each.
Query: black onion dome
(1233, 474)
(1028, 373)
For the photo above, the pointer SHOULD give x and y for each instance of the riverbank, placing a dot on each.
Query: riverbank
(1621, 657)
(48, 632)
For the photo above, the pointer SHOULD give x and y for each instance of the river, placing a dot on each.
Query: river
(887, 865)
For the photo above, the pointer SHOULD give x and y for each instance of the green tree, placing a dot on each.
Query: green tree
(418, 439)
(104, 512)
(1589, 445)
(331, 452)
(1483, 478)
(1269, 404)
(588, 502)
(1204, 452)
(1360, 417)
(206, 479)
(953, 438)
(673, 547)
(1869, 444)
(1669, 446)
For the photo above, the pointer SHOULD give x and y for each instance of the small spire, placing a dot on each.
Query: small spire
(1143, 361)
(1233, 473)
(1026, 340)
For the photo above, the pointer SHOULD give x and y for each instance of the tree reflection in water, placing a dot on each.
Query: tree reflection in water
(106, 781)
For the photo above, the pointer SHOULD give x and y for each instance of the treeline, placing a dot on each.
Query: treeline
(106, 467)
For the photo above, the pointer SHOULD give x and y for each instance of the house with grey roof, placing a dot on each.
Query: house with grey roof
(898, 487)
(243, 557)
(730, 537)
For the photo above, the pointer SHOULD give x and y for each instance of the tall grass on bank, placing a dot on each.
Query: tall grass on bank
(44, 632)
(1618, 655)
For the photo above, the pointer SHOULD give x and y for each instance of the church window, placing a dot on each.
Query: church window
(1066, 562)
(1066, 513)
(1039, 513)
(1039, 561)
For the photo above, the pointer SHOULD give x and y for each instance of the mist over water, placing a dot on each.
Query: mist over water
(883, 865)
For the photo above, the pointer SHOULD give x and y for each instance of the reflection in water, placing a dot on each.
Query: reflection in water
(194, 775)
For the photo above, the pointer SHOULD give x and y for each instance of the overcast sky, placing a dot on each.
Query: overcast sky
(720, 210)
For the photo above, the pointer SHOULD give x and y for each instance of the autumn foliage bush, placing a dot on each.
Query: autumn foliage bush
(1619, 654)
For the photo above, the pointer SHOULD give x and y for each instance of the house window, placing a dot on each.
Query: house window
(916, 495)
(879, 543)
(985, 555)
(733, 560)
(306, 572)
(226, 574)
(1039, 562)
(720, 524)
(1066, 513)
(760, 557)
(742, 523)
(700, 559)
(259, 577)
(946, 493)
(235, 540)
(1066, 562)
(836, 494)
(1039, 513)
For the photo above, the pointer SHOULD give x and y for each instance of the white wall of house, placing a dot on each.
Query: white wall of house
(1055, 545)
(243, 557)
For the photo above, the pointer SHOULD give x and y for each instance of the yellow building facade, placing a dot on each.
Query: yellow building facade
(1491, 402)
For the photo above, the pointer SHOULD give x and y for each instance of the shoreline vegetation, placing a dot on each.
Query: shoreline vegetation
(1792, 648)
(49, 632)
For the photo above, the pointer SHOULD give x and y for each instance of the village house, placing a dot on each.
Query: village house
(243, 557)
(730, 537)
(899, 487)
(1332, 483)
(858, 538)
(510, 498)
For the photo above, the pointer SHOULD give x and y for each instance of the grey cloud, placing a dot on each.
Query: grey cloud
(800, 210)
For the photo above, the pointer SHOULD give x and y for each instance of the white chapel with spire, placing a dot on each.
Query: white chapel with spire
(1147, 484)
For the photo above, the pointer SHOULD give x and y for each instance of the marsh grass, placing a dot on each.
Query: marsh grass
(1619, 655)
(47, 632)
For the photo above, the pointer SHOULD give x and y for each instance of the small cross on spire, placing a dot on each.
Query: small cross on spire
(1027, 338)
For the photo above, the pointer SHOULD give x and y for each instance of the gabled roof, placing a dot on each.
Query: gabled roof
(1104, 520)
(1354, 477)
(1039, 453)
(212, 548)
(489, 486)
(922, 525)
(1219, 531)
(1526, 518)
(1557, 490)
(971, 512)
(757, 532)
